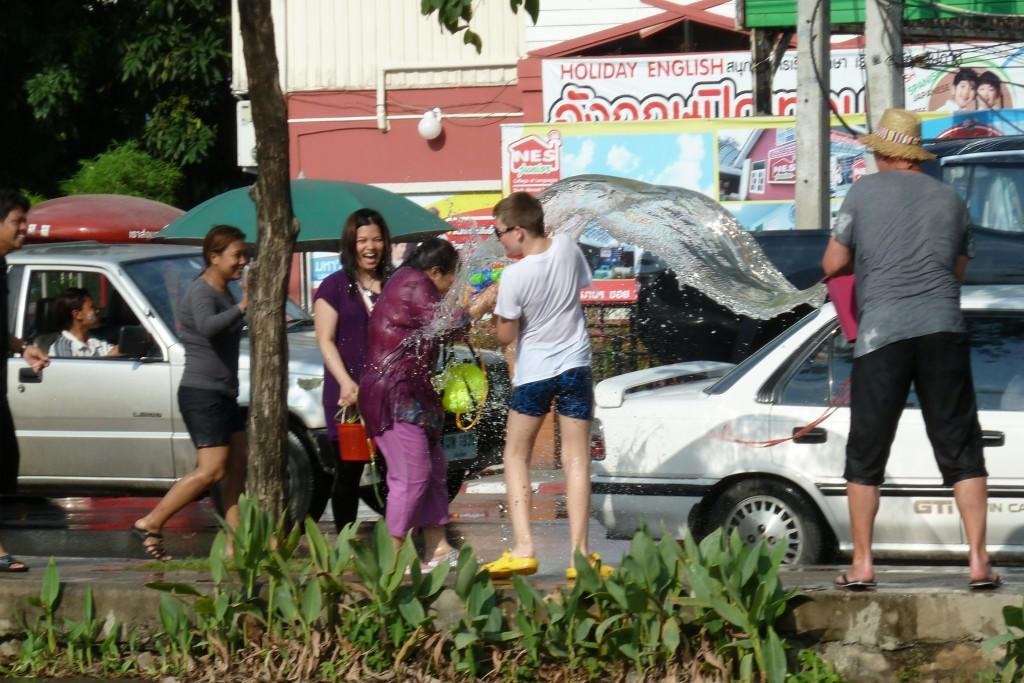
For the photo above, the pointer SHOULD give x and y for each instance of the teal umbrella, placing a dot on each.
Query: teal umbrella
(321, 207)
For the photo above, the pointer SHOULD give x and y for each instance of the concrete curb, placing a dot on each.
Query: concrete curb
(883, 620)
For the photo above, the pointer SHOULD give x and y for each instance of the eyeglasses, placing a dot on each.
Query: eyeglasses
(501, 233)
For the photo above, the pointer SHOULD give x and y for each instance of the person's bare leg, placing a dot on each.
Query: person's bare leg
(435, 542)
(520, 435)
(210, 469)
(576, 462)
(863, 502)
(972, 501)
(234, 477)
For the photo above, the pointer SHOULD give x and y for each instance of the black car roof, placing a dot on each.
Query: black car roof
(957, 147)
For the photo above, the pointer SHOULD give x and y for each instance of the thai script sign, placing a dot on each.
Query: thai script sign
(718, 85)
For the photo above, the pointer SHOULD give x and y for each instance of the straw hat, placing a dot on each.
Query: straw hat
(897, 135)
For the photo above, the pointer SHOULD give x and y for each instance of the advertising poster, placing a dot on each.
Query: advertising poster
(749, 165)
(975, 124)
(940, 77)
(470, 215)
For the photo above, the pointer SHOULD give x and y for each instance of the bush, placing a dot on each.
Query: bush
(126, 169)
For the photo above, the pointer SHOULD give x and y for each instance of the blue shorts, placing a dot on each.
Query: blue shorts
(573, 392)
(210, 416)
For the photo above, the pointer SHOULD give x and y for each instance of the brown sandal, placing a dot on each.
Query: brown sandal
(154, 549)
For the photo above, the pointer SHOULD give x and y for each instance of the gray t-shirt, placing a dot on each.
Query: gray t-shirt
(906, 230)
(211, 330)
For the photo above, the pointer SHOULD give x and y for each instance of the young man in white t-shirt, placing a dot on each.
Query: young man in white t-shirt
(538, 308)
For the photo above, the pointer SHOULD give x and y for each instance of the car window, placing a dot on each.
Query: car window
(993, 193)
(753, 359)
(821, 379)
(42, 321)
(164, 282)
(997, 365)
(997, 359)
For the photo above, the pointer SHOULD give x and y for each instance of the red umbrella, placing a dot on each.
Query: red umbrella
(100, 217)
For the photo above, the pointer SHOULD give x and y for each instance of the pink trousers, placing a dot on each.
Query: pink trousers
(417, 479)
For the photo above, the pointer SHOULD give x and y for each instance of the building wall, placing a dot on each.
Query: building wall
(562, 20)
(344, 45)
(466, 157)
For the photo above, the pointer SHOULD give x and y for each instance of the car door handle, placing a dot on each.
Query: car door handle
(29, 376)
(991, 438)
(816, 435)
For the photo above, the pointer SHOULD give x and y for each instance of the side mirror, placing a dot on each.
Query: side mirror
(133, 341)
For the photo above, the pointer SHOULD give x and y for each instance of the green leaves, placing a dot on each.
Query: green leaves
(736, 591)
(361, 609)
(455, 16)
(125, 169)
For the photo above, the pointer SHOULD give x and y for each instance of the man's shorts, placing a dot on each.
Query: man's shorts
(210, 416)
(939, 367)
(572, 391)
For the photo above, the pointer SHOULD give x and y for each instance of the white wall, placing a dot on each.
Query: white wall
(343, 44)
(562, 20)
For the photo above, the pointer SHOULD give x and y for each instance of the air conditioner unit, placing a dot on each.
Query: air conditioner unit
(246, 135)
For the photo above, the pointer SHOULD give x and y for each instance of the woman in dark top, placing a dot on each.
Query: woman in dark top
(211, 330)
(341, 310)
(399, 404)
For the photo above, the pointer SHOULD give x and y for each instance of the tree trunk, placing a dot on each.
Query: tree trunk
(268, 281)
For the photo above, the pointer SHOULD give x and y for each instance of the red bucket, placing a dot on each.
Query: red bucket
(353, 444)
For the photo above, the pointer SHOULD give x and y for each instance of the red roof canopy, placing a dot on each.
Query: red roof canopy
(100, 217)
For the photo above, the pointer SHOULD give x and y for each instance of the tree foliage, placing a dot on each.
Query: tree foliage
(126, 169)
(80, 75)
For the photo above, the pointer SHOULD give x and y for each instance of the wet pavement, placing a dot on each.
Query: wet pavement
(90, 536)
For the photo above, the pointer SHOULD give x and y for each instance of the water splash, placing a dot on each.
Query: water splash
(697, 238)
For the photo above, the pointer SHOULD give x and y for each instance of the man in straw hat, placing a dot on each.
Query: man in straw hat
(905, 237)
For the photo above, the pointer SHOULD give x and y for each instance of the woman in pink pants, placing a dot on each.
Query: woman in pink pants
(398, 402)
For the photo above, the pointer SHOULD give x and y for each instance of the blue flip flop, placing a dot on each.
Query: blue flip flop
(8, 562)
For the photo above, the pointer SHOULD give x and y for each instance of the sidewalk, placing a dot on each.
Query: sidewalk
(922, 610)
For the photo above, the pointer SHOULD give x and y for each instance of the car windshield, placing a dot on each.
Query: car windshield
(993, 193)
(164, 280)
(753, 359)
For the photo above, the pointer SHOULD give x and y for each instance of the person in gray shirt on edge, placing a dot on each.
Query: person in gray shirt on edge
(905, 237)
(211, 330)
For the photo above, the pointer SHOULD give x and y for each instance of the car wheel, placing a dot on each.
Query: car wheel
(305, 486)
(376, 495)
(776, 512)
(324, 484)
(301, 485)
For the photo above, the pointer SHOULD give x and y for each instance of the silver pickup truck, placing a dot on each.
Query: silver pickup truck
(111, 426)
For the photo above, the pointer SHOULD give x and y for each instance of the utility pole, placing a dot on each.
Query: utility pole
(883, 52)
(812, 114)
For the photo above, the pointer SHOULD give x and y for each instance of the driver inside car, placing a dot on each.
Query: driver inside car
(76, 311)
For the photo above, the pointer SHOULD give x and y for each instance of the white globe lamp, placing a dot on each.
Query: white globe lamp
(429, 126)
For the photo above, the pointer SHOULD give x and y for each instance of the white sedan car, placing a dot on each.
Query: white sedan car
(686, 446)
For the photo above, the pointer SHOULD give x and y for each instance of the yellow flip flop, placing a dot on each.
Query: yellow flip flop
(603, 570)
(508, 565)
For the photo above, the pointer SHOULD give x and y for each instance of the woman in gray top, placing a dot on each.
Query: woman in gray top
(211, 329)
